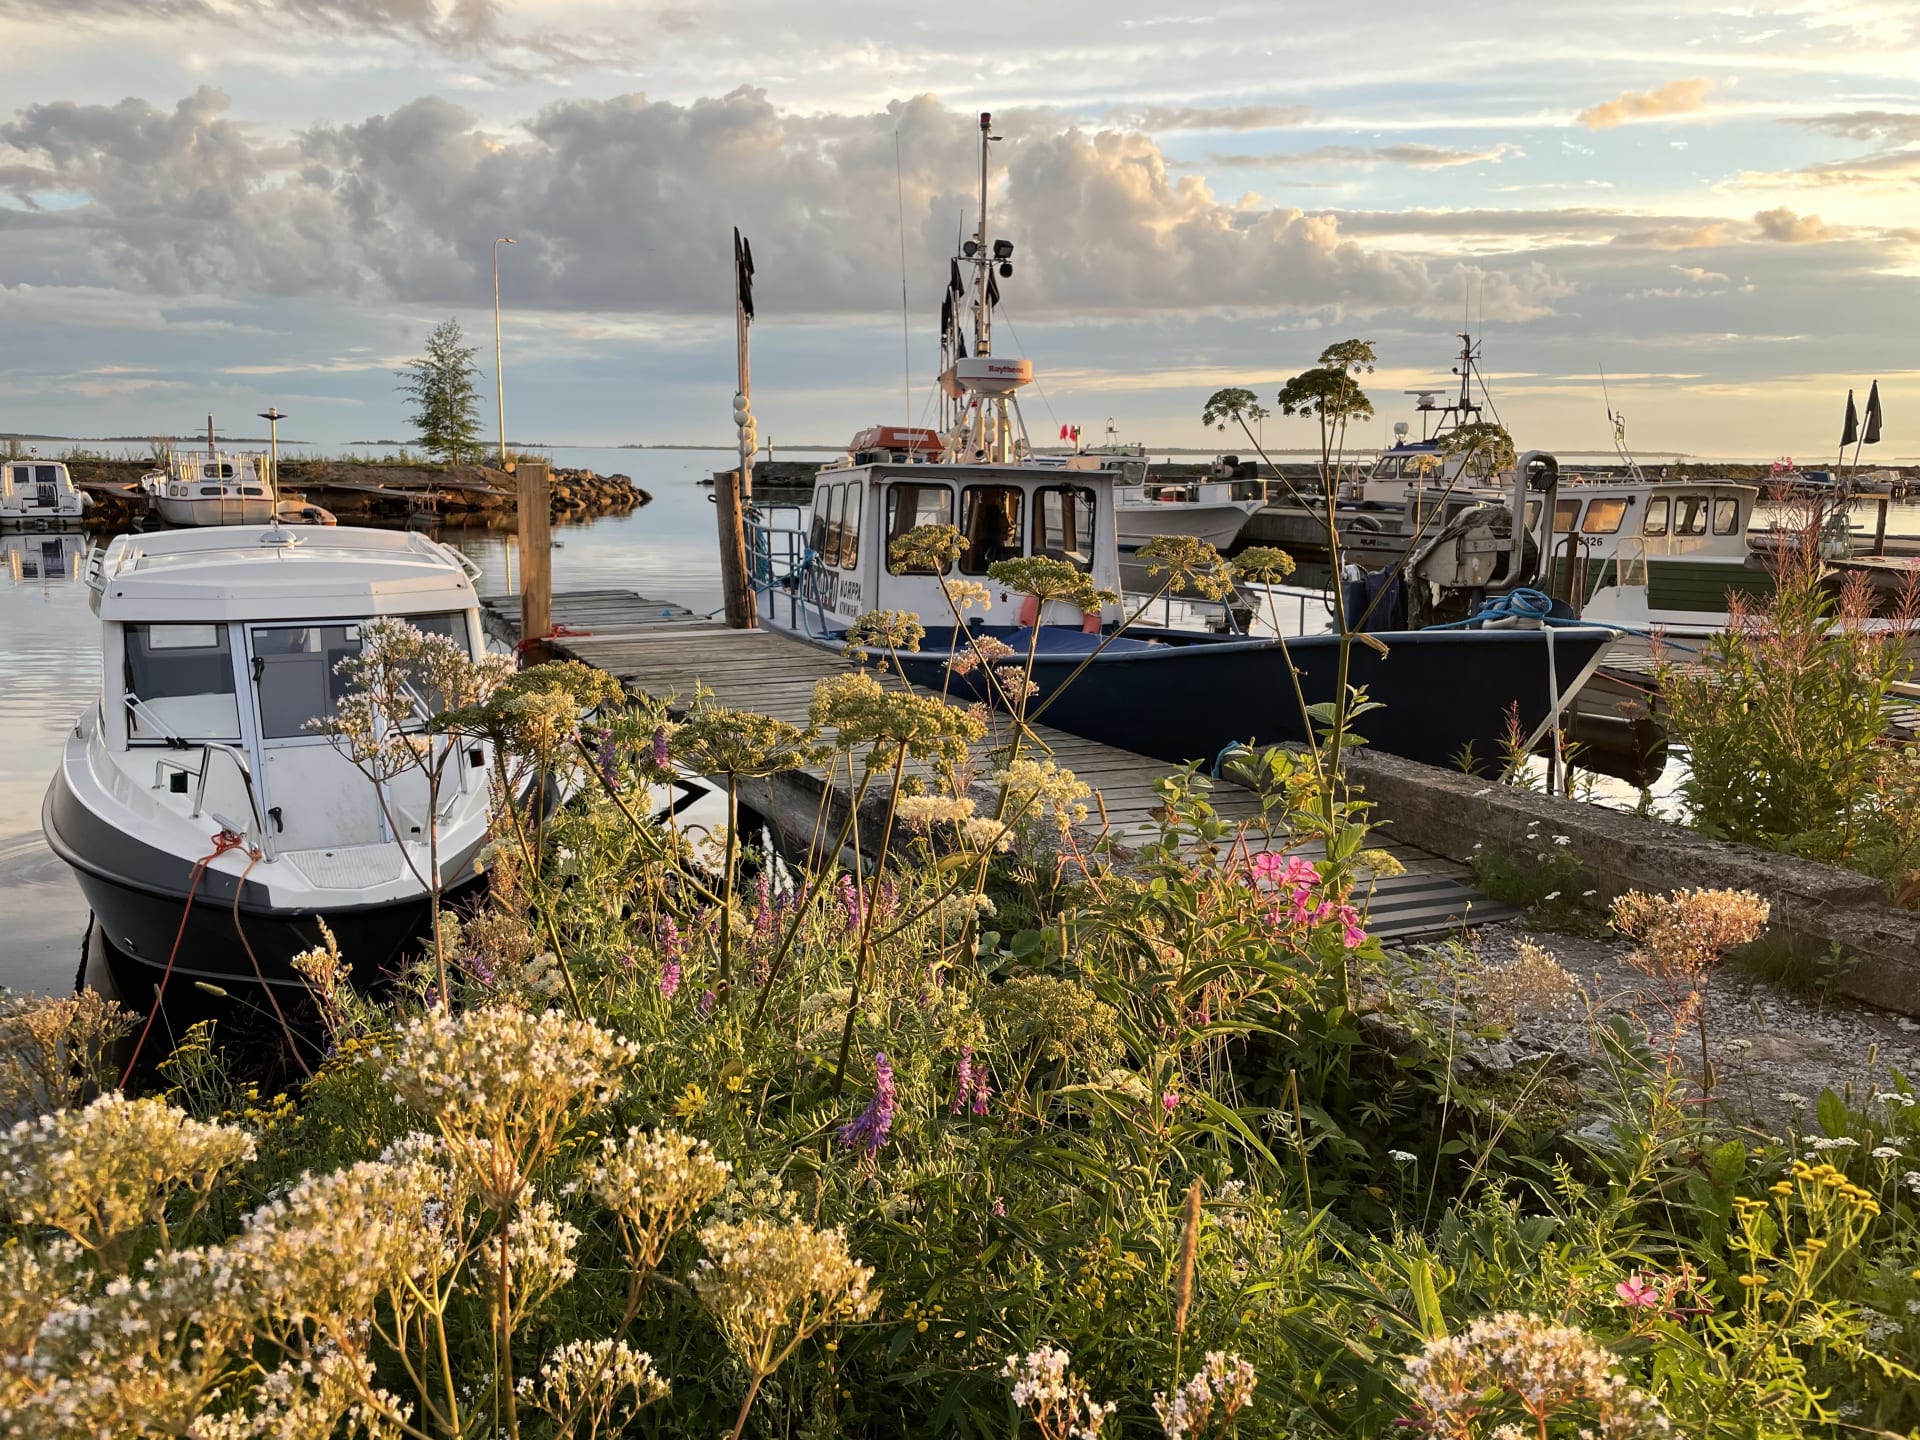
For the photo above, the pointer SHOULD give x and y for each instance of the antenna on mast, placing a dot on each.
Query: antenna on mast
(906, 343)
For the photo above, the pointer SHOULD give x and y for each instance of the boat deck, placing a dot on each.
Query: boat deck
(665, 650)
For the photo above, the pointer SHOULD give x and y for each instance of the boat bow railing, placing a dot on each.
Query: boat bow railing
(207, 748)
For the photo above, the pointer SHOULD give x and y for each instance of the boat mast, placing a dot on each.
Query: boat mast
(987, 427)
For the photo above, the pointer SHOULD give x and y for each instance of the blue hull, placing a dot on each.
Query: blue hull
(1441, 691)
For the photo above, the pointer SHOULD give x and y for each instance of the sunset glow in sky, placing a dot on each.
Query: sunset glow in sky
(225, 204)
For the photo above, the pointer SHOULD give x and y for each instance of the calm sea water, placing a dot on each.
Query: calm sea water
(50, 665)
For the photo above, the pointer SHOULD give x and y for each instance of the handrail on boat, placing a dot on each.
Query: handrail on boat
(207, 749)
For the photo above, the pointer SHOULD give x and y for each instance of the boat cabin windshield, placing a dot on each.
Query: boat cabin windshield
(182, 681)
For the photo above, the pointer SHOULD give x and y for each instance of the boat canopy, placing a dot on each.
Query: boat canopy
(267, 572)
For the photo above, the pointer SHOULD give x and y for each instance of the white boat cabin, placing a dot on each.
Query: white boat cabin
(1635, 519)
(816, 574)
(38, 491)
(210, 477)
(219, 646)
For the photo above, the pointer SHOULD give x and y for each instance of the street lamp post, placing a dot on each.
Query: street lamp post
(273, 417)
(499, 378)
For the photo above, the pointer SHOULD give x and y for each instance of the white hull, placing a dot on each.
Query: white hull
(225, 510)
(1217, 524)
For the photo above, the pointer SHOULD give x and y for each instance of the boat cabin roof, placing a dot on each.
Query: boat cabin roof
(267, 572)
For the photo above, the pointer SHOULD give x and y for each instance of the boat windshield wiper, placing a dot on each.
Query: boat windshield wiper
(144, 713)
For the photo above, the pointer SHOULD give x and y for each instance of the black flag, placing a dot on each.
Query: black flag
(993, 292)
(946, 316)
(953, 278)
(743, 272)
(1871, 435)
(1850, 432)
(960, 346)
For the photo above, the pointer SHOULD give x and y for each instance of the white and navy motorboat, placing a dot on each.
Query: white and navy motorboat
(218, 647)
(1176, 695)
(39, 494)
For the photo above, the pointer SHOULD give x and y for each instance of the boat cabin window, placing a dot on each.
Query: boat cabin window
(1063, 524)
(1690, 515)
(1604, 516)
(47, 474)
(182, 676)
(1726, 515)
(911, 504)
(850, 525)
(1655, 521)
(824, 536)
(990, 524)
(216, 472)
(1565, 514)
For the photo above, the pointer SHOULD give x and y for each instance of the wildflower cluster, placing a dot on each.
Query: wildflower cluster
(1210, 1402)
(1510, 1363)
(868, 1131)
(1296, 907)
(603, 1383)
(1044, 1386)
(772, 1285)
(654, 1183)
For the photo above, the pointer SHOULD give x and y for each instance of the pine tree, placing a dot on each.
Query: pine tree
(446, 414)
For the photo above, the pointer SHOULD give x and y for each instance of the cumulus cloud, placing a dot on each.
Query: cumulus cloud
(1676, 97)
(1783, 226)
(1423, 157)
(624, 205)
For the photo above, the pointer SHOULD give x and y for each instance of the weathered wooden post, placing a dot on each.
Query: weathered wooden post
(1880, 525)
(734, 587)
(536, 552)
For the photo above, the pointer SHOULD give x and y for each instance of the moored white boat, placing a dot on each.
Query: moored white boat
(39, 494)
(211, 489)
(218, 646)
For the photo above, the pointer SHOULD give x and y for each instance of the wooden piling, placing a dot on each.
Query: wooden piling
(1880, 526)
(734, 589)
(536, 551)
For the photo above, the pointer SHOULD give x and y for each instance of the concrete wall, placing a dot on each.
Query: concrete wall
(1448, 812)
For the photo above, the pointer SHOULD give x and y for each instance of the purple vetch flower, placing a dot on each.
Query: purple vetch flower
(1170, 1102)
(669, 979)
(852, 901)
(970, 1088)
(606, 761)
(667, 936)
(661, 759)
(868, 1130)
(763, 910)
(707, 1001)
(625, 960)
(479, 969)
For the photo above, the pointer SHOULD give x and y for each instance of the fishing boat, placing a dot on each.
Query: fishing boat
(216, 488)
(39, 495)
(1214, 508)
(210, 828)
(1175, 695)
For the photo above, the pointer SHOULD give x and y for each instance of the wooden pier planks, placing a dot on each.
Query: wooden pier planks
(663, 649)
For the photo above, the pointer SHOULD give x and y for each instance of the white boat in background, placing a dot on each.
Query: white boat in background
(218, 646)
(211, 489)
(39, 494)
(1214, 509)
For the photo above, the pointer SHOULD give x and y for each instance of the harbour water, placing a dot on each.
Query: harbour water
(50, 665)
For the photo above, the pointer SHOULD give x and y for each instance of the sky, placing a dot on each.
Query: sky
(222, 205)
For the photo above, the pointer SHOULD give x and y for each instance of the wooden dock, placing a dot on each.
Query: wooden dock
(665, 650)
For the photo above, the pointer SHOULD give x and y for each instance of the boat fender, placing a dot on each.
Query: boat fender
(1030, 615)
(1367, 523)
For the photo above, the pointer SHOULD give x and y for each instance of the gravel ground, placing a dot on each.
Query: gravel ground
(1768, 1044)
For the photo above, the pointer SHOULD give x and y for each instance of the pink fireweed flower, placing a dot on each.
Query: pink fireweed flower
(1170, 1102)
(1352, 936)
(1637, 1293)
(669, 979)
(970, 1089)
